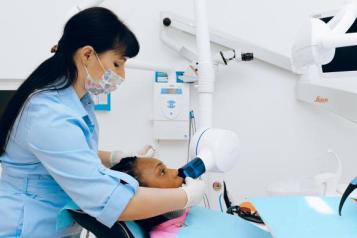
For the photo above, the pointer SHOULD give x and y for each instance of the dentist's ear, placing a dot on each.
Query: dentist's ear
(86, 54)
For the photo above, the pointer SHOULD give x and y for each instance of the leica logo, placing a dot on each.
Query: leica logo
(319, 99)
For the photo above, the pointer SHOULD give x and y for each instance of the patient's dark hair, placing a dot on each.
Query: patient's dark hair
(128, 165)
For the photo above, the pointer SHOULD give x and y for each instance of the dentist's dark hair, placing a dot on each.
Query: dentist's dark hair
(97, 27)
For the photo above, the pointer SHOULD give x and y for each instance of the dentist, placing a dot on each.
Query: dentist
(49, 138)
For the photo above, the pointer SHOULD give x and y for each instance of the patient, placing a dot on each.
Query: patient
(149, 172)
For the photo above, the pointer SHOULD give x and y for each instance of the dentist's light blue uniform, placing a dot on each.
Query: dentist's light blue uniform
(50, 160)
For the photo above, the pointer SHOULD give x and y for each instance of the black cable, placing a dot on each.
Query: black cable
(227, 201)
(189, 136)
(194, 122)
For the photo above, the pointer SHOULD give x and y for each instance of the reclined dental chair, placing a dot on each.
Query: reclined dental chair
(200, 222)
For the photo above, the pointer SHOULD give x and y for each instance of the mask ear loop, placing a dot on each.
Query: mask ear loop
(85, 68)
(104, 81)
(88, 74)
(100, 62)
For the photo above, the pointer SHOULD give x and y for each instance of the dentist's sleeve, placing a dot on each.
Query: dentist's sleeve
(61, 144)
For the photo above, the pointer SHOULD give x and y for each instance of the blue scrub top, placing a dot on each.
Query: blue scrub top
(50, 160)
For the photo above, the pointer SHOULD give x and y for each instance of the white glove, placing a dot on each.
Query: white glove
(147, 151)
(194, 189)
(117, 155)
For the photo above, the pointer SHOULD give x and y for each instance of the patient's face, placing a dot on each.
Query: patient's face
(155, 174)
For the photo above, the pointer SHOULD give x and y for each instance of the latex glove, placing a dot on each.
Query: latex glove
(194, 189)
(117, 155)
(147, 151)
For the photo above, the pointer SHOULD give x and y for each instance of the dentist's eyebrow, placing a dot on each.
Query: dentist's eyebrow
(120, 56)
(122, 59)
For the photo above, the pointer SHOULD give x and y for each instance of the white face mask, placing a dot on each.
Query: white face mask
(106, 84)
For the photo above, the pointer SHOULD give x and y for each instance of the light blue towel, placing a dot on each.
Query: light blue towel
(202, 222)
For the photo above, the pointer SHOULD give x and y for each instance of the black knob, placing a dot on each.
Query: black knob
(247, 56)
(166, 21)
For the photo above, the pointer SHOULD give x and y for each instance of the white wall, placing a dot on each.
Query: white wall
(280, 136)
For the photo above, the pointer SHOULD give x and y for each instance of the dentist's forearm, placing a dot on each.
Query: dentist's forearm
(150, 202)
(105, 158)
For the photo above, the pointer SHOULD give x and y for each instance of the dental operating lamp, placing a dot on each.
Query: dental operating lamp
(213, 150)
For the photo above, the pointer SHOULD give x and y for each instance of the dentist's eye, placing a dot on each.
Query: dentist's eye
(116, 64)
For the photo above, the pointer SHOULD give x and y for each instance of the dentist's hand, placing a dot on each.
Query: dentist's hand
(147, 151)
(194, 189)
(117, 155)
